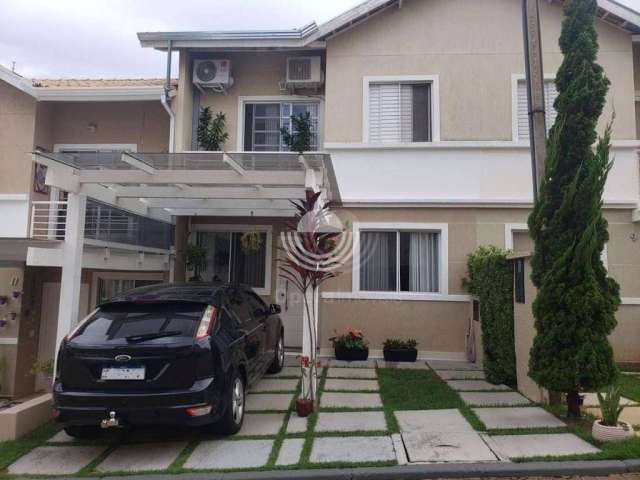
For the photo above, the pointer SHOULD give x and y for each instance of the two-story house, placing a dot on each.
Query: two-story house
(421, 136)
(123, 244)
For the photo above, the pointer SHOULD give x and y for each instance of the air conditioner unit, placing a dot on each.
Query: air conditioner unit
(304, 72)
(212, 73)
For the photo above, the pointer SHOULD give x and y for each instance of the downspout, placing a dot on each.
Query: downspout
(164, 99)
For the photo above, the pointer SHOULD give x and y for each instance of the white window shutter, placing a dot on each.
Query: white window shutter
(550, 95)
(384, 113)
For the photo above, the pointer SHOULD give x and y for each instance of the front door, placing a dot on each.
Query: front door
(292, 304)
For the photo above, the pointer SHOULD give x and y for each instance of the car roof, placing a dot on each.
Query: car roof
(165, 292)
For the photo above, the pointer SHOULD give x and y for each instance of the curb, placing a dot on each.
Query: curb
(419, 472)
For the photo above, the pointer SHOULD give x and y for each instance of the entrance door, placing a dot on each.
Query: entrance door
(49, 322)
(290, 299)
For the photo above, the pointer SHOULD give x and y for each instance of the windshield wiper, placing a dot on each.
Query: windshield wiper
(151, 336)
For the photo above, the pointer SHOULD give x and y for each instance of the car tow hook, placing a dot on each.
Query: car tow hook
(111, 422)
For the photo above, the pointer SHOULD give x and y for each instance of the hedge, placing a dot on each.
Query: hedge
(490, 278)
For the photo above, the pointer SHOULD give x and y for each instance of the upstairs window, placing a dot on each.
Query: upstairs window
(400, 112)
(263, 121)
(550, 95)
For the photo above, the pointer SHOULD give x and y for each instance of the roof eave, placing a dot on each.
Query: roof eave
(99, 94)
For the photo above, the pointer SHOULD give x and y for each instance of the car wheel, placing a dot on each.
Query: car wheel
(278, 360)
(231, 422)
(83, 432)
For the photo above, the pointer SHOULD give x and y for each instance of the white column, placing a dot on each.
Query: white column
(306, 331)
(71, 266)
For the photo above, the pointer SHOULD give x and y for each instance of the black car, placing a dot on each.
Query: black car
(167, 355)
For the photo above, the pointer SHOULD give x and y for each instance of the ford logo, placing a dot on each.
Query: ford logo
(122, 358)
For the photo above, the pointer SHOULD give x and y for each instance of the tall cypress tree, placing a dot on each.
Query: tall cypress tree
(576, 302)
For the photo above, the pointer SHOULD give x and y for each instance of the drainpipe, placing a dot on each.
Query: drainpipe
(164, 99)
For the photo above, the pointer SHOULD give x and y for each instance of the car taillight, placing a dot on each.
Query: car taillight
(206, 323)
(199, 410)
(77, 328)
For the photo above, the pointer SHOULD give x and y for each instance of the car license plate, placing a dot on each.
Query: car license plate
(123, 373)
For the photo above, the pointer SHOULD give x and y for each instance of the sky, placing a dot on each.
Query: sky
(97, 38)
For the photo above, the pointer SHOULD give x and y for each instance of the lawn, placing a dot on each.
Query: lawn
(419, 390)
(630, 386)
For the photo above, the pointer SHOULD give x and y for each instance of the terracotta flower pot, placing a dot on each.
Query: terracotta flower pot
(304, 407)
(605, 433)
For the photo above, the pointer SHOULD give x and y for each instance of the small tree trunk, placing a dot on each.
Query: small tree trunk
(555, 398)
(573, 405)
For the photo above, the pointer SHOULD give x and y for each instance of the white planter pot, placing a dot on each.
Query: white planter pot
(612, 434)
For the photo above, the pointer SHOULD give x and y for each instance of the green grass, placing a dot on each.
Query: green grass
(630, 386)
(419, 390)
(11, 450)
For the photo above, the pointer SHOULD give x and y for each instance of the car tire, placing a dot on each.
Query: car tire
(278, 359)
(231, 421)
(82, 432)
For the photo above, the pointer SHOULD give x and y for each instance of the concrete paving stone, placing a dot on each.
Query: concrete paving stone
(355, 364)
(276, 385)
(591, 400)
(268, 401)
(286, 372)
(55, 460)
(262, 424)
(350, 384)
(350, 422)
(517, 417)
(142, 456)
(493, 399)
(435, 421)
(350, 400)
(352, 449)
(227, 454)
(475, 386)
(62, 437)
(297, 424)
(460, 374)
(453, 365)
(419, 365)
(290, 451)
(446, 447)
(291, 361)
(540, 445)
(337, 372)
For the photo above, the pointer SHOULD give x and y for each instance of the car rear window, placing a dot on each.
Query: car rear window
(134, 322)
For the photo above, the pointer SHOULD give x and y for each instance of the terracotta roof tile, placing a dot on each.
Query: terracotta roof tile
(99, 82)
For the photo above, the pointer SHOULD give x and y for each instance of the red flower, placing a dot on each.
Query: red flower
(304, 360)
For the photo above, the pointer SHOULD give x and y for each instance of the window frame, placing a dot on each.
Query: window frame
(433, 80)
(104, 275)
(443, 261)
(243, 100)
(515, 79)
(242, 228)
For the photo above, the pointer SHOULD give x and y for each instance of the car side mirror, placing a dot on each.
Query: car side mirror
(274, 309)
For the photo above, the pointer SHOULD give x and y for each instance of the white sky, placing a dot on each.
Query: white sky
(97, 38)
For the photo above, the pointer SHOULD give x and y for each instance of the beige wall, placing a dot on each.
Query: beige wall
(145, 124)
(254, 74)
(474, 48)
(17, 120)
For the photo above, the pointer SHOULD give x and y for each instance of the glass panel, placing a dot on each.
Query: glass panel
(248, 267)
(419, 266)
(264, 120)
(218, 255)
(378, 261)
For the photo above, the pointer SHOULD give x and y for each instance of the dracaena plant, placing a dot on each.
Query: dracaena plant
(309, 261)
(610, 406)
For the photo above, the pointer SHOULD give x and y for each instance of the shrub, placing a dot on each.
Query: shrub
(398, 344)
(610, 406)
(490, 278)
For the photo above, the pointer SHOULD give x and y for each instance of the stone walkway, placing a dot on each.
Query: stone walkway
(500, 408)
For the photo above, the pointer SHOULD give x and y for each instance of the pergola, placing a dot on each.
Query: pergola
(170, 185)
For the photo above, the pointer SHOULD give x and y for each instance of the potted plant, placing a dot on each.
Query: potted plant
(397, 350)
(251, 242)
(350, 346)
(609, 428)
(212, 132)
(195, 259)
(304, 404)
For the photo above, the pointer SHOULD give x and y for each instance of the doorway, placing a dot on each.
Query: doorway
(292, 304)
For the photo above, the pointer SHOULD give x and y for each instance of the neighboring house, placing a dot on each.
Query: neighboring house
(124, 243)
(420, 124)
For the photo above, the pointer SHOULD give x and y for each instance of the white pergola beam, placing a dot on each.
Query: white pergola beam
(233, 164)
(240, 192)
(136, 163)
(194, 177)
(230, 212)
(217, 203)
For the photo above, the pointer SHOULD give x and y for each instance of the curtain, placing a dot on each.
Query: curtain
(423, 262)
(248, 268)
(378, 261)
